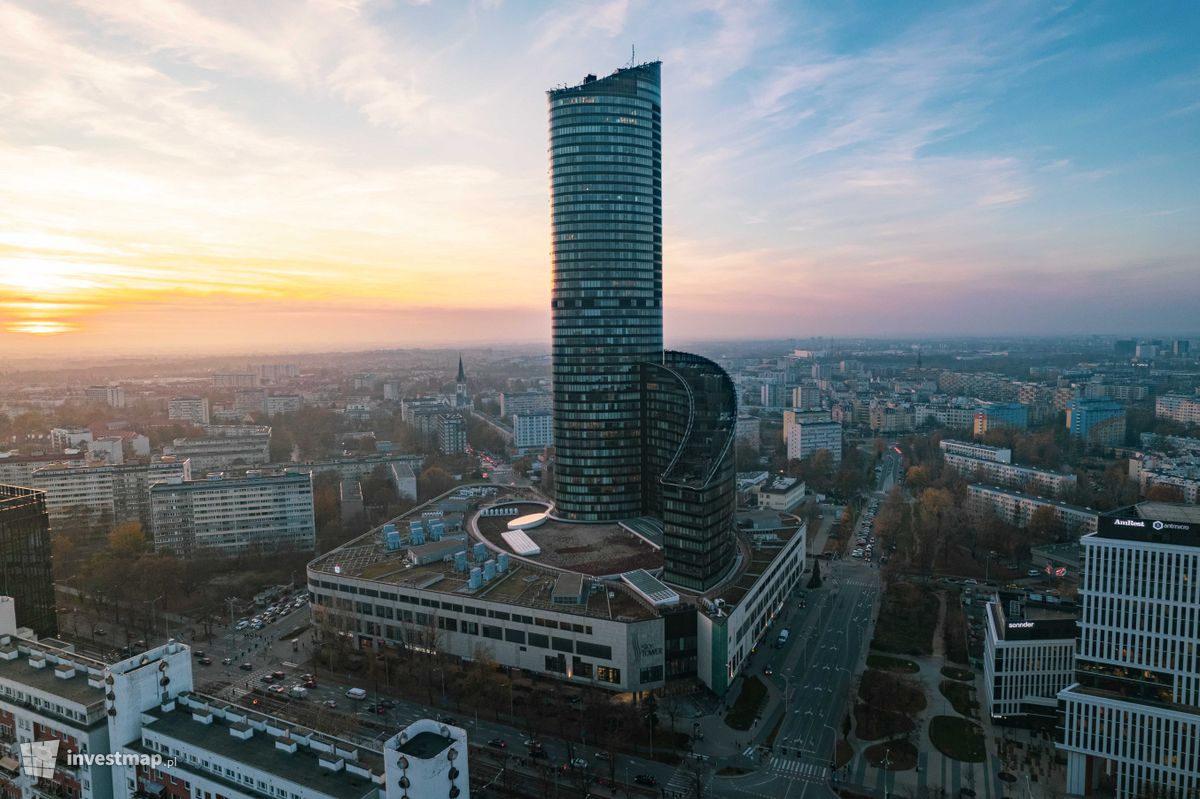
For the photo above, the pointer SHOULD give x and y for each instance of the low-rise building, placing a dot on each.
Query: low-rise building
(782, 494)
(1016, 508)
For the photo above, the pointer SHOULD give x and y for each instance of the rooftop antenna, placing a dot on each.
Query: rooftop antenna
(632, 55)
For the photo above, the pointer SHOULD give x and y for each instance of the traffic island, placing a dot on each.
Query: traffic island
(958, 738)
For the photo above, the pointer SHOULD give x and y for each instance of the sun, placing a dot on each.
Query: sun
(42, 327)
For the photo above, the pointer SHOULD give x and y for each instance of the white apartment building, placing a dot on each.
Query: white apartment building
(189, 409)
(955, 417)
(1028, 657)
(1131, 724)
(806, 397)
(1178, 408)
(981, 452)
(1016, 508)
(17, 470)
(282, 403)
(796, 416)
(1008, 475)
(101, 492)
(112, 396)
(234, 516)
(159, 738)
(748, 432)
(235, 380)
(513, 403)
(65, 437)
(225, 447)
(532, 432)
(806, 438)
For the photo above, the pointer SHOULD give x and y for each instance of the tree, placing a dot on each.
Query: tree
(434, 481)
(1165, 493)
(1043, 525)
(127, 540)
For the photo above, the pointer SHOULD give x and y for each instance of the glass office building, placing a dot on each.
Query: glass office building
(25, 573)
(606, 304)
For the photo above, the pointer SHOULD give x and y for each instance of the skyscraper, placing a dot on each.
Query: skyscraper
(606, 304)
(637, 431)
(25, 573)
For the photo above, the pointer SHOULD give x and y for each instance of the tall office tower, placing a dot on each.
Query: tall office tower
(1131, 720)
(606, 304)
(25, 573)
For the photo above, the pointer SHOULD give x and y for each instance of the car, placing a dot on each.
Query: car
(100, 631)
(277, 689)
(645, 779)
(279, 675)
(205, 661)
(199, 653)
(1033, 573)
(970, 581)
(309, 683)
(768, 671)
(533, 743)
(241, 625)
(498, 743)
(247, 667)
(356, 693)
(226, 661)
(267, 678)
(329, 703)
(602, 755)
(539, 754)
(378, 710)
(579, 763)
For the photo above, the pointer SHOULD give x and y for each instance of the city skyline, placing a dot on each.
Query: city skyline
(344, 175)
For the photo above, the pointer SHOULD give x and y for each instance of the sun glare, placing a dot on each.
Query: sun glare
(41, 328)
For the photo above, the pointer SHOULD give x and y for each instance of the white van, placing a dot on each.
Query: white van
(356, 693)
(298, 691)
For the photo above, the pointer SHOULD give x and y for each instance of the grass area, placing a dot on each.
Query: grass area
(899, 755)
(741, 715)
(959, 695)
(889, 663)
(843, 754)
(957, 738)
(871, 724)
(956, 674)
(887, 690)
(908, 614)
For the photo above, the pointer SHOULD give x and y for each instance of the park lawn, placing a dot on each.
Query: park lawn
(871, 724)
(741, 715)
(959, 695)
(907, 617)
(889, 663)
(958, 674)
(958, 738)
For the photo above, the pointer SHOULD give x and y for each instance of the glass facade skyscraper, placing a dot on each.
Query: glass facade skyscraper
(606, 304)
(25, 573)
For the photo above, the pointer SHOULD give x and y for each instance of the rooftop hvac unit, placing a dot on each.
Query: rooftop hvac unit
(476, 579)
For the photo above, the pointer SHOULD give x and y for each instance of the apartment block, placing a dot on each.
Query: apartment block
(1178, 408)
(1016, 508)
(189, 409)
(532, 432)
(104, 493)
(970, 449)
(1008, 475)
(224, 447)
(808, 437)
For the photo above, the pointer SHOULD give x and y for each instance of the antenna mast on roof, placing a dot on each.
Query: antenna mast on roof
(632, 55)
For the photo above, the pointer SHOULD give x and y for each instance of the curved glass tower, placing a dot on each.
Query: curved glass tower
(606, 302)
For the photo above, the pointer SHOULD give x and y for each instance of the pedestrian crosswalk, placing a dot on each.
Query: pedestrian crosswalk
(798, 769)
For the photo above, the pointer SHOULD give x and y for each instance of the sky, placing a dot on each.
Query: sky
(282, 175)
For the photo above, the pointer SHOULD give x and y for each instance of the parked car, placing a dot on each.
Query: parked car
(205, 661)
(329, 703)
(247, 667)
(579, 763)
(356, 693)
(645, 779)
(498, 743)
(279, 675)
(1033, 573)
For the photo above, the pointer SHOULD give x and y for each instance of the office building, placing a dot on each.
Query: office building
(101, 494)
(1028, 657)
(255, 514)
(513, 403)
(1178, 408)
(807, 438)
(112, 396)
(1131, 718)
(1099, 422)
(451, 433)
(224, 447)
(25, 573)
(606, 300)
(1016, 508)
(998, 415)
(532, 432)
(189, 409)
(970, 449)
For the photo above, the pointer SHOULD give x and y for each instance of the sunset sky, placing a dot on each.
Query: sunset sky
(278, 175)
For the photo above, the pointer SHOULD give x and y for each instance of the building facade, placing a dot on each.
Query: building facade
(112, 396)
(451, 433)
(100, 493)
(1131, 718)
(1009, 475)
(606, 301)
(532, 432)
(250, 515)
(1027, 659)
(970, 449)
(224, 447)
(25, 568)
(806, 438)
(1000, 415)
(525, 403)
(1099, 422)
(1178, 408)
(1016, 508)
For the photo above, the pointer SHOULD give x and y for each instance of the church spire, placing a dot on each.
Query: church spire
(462, 376)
